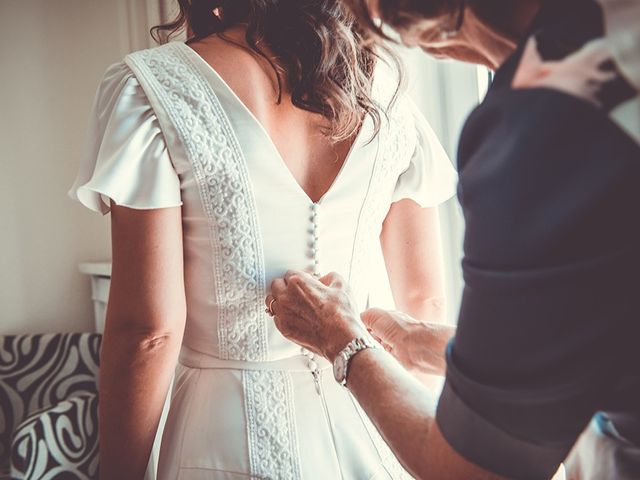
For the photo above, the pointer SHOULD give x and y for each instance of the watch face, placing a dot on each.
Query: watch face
(340, 368)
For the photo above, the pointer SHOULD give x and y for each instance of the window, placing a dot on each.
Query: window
(445, 92)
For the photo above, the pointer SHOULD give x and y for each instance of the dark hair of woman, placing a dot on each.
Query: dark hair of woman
(316, 48)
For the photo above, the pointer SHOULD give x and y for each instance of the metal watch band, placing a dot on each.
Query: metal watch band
(353, 347)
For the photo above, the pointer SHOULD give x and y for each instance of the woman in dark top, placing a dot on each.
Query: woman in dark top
(547, 338)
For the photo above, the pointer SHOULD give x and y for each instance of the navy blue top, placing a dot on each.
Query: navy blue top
(550, 320)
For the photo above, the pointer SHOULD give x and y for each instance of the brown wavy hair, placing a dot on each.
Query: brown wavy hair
(315, 47)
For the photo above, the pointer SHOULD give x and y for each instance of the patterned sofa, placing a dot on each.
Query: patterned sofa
(48, 406)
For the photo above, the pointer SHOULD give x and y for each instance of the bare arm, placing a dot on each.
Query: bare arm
(412, 249)
(145, 322)
(413, 256)
(321, 316)
(403, 410)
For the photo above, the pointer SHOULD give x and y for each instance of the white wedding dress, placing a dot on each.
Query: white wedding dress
(168, 131)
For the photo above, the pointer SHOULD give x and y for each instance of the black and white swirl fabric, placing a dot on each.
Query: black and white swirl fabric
(40, 371)
(59, 443)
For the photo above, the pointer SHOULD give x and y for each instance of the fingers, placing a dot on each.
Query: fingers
(333, 279)
(372, 316)
(281, 325)
(267, 300)
(278, 290)
(270, 302)
(278, 302)
(300, 293)
(382, 324)
(377, 322)
(298, 276)
(295, 294)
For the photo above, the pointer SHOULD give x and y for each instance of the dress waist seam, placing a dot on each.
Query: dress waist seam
(300, 363)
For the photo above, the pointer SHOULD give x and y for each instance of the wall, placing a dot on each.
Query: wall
(52, 56)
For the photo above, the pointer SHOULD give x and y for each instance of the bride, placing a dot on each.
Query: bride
(263, 144)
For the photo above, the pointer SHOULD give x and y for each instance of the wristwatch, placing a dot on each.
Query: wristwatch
(341, 362)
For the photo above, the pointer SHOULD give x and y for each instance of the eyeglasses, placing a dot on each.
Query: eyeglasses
(455, 21)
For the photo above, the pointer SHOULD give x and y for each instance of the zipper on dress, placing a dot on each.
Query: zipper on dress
(318, 378)
(316, 373)
(313, 368)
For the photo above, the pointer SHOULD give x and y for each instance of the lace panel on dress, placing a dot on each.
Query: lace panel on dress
(273, 442)
(179, 88)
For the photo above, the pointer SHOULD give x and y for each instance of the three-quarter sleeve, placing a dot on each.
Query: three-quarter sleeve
(430, 178)
(548, 317)
(126, 158)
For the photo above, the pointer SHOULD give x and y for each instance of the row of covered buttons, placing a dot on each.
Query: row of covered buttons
(315, 241)
(315, 268)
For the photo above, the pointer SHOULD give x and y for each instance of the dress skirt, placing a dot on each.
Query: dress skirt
(267, 420)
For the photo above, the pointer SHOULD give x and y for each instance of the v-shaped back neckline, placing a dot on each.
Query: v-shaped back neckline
(269, 141)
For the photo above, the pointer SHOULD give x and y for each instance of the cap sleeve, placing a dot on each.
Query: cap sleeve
(126, 158)
(430, 178)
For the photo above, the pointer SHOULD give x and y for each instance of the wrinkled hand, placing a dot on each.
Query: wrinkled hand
(418, 346)
(318, 314)
(580, 74)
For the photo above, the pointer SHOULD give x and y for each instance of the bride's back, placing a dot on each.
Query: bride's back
(303, 69)
(313, 158)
